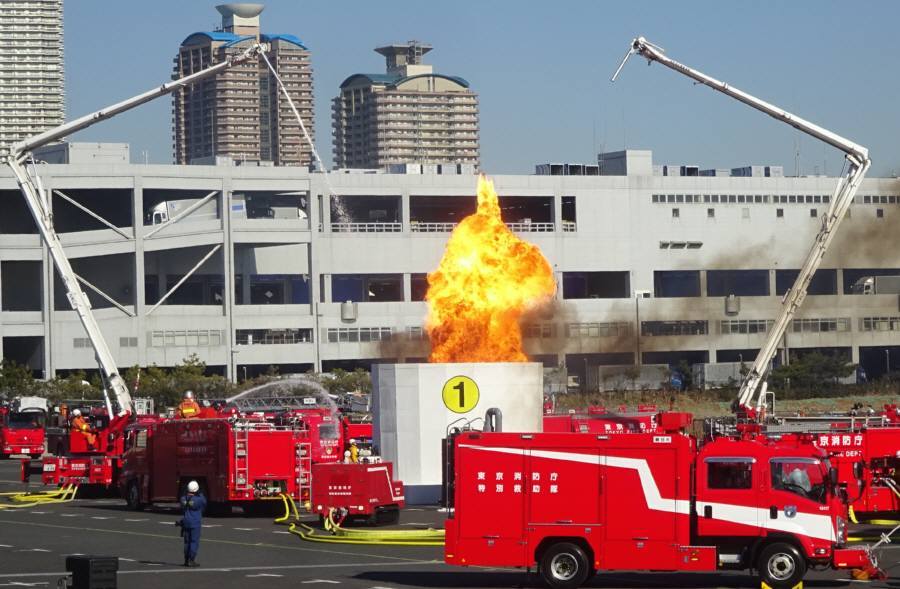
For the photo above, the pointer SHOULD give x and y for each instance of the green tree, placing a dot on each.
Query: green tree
(812, 371)
(341, 381)
(15, 380)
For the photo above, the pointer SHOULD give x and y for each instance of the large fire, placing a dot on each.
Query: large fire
(486, 280)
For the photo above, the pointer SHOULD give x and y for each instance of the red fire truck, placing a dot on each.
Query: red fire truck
(868, 461)
(573, 504)
(83, 465)
(22, 427)
(357, 490)
(236, 462)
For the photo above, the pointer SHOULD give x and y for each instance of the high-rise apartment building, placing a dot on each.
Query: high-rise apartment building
(241, 114)
(32, 92)
(407, 115)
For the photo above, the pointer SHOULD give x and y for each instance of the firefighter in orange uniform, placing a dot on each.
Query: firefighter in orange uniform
(81, 425)
(188, 409)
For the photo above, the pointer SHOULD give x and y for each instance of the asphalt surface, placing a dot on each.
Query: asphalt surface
(253, 552)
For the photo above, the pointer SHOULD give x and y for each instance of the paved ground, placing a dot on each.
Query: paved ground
(253, 552)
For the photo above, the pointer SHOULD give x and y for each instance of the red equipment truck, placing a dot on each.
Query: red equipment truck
(250, 462)
(357, 490)
(573, 504)
(22, 427)
(868, 461)
(237, 462)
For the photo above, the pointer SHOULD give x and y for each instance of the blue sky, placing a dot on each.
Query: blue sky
(542, 71)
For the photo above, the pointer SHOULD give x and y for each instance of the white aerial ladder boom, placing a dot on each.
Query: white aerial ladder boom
(754, 383)
(39, 204)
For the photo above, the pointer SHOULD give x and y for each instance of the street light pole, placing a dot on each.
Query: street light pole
(887, 356)
(638, 295)
(637, 328)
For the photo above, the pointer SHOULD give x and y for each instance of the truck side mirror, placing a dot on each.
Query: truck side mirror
(858, 470)
(833, 475)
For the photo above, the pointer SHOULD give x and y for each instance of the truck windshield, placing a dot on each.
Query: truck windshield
(24, 420)
(801, 476)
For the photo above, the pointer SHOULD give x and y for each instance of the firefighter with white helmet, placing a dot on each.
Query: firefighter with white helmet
(354, 451)
(188, 408)
(193, 503)
(800, 479)
(81, 425)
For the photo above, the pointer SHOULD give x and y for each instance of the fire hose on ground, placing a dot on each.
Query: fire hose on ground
(23, 499)
(338, 534)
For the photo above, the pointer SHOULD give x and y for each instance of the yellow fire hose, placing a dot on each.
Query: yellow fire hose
(878, 522)
(341, 535)
(22, 499)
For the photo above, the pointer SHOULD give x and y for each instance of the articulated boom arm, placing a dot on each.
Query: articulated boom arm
(858, 159)
(38, 202)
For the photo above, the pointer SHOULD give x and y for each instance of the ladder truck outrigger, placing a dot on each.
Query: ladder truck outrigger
(877, 448)
(572, 504)
(95, 465)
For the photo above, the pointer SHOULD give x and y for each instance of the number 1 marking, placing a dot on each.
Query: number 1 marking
(461, 387)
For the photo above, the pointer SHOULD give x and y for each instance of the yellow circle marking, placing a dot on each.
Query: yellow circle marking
(460, 394)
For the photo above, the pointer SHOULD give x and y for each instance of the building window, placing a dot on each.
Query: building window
(879, 324)
(607, 329)
(185, 338)
(711, 213)
(366, 288)
(676, 213)
(824, 281)
(745, 326)
(879, 213)
(721, 283)
(820, 325)
(779, 213)
(251, 337)
(539, 331)
(334, 335)
(687, 327)
(676, 283)
(596, 285)
(813, 213)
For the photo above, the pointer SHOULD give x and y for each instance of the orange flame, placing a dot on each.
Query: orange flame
(486, 280)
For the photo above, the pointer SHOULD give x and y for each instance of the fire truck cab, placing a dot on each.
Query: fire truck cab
(22, 432)
(573, 504)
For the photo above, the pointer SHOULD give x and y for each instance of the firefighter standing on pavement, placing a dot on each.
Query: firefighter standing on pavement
(193, 503)
(188, 407)
(81, 425)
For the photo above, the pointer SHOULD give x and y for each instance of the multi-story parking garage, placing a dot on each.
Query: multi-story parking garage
(260, 270)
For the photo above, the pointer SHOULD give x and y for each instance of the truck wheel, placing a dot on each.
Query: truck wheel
(133, 496)
(389, 516)
(564, 566)
(780, 566)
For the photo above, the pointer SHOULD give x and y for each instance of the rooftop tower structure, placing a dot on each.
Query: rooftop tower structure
(241, 114)
(409, 114)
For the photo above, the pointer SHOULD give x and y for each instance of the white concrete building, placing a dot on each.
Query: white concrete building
(32, 84)
(276, 265)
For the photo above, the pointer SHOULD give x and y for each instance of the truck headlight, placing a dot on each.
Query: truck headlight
(841, 526)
